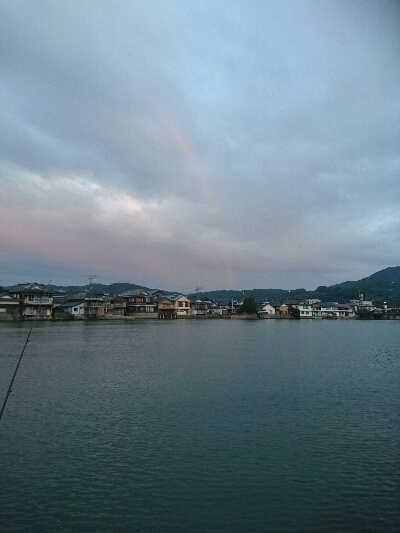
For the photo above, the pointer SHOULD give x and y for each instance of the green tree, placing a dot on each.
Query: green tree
(249, 305)
(295, 312)
(364, 314)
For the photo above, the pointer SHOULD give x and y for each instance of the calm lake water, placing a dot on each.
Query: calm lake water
(201, 426)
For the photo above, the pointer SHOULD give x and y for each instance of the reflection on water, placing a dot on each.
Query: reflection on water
(200, 426)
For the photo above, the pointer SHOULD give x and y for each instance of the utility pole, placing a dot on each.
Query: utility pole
(91, 277)
(197, 289)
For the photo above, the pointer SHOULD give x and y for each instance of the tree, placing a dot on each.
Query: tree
(295, 312)
(249, 305)
(364, 314)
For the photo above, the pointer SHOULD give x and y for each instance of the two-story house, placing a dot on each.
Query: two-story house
(173, 306)
(93, 307)
(267, 310)
(35, 300)
(139, 302)
(9, 306)
(115, 306)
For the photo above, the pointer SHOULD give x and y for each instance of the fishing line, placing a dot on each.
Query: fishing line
(23, 350)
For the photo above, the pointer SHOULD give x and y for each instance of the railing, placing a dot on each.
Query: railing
(36, 300)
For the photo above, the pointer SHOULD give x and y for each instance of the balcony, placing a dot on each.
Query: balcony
(37, 300)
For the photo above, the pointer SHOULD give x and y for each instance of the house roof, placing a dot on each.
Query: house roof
(76, 296)
(70, 304)
(277, 304)
(177, 297)
(161, 298)
(25, 287)
(297, 301)
(136, 292)
(7, 298)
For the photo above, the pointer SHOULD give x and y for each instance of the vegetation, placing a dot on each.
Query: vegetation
(114, 288)
(295, 313)
(66, 315)
(249, 305)
(364, 314)
(383, 286)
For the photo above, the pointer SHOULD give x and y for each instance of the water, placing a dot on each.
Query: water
(201, 426)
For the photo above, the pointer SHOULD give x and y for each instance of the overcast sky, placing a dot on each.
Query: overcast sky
(176, 143)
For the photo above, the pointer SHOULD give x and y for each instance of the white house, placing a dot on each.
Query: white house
(267, 309)
(305, 308)
(75, 308)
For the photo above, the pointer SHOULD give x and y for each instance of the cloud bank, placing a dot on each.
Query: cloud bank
(175, 144)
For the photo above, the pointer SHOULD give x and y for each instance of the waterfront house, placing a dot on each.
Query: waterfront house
(93, 307)
(267, 309)
(35, 300)
(182, 305)
(198, 306)
(173, 306)
(9, 306)
(305, 308)
(139, 302)
(115, 306)
(326, 310)
(165, 307)
(281, 309)
(346, 311)
(217, 310)
(333, 310)
(74, 308)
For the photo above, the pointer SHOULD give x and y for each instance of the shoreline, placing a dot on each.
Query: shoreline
(191, 317)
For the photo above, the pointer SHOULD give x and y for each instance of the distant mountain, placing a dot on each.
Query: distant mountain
(260, 295)
(114, 288)
(383, 286)
(387, 275)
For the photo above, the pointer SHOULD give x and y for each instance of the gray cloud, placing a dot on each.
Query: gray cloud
(231, 144)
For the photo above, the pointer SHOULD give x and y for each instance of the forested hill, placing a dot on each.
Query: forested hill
(388, 275)
(382, 286)
(98, 288)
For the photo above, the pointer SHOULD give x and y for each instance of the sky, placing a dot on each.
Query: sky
(217, 144)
